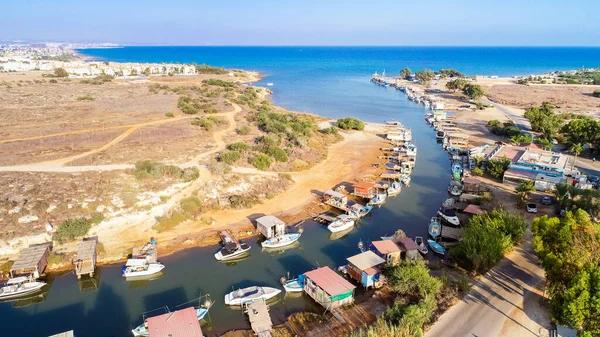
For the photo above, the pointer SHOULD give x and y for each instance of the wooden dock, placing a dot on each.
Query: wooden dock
(324, 218)
(85, 261)
(343, 207)
(260, 320)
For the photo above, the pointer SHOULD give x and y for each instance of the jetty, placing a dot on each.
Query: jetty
(324, 218)
(85, 261)
(260, 320)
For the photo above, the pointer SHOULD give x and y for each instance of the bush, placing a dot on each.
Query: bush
(147, 169)
(596, 93)
(165, 223)
(72, 229)
(55, 258)
(96, 218)
(190, 174)
(476, 171)
(239, 147)
(53, 81)
(497, 167)
(230, 157)
(86, 98)
(298, 165)
(60, 72)
(350, 123)
(244, 130)
(243, 201)
(219, 168)
(332, 130)
(261, 162)
(204, 123)
(277, 153)
(169, 114)
(190, 204)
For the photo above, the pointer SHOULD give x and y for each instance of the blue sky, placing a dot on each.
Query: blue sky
(307, 22)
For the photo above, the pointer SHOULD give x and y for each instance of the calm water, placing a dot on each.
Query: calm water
(328, 81)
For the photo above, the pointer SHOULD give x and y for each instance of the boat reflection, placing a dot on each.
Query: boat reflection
(142, 281)
(340, 235)
(35, 298)
(280, 250)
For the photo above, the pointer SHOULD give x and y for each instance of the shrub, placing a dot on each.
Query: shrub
(350, 123)
(219, 168)
(169, 114)
(239, 147)
(165, 223)
(498, 166)
(219, 83)
(596, 93)
(243, 201)
(146, 169)
(190, 174)
(190, 204)
(53, 81)
(277, 153)
(55, 258)
(96, 218)
(72, 229)
(230, 157)
(86, 98)
(298, 165)
(204, 123)
(476, 171)
(244, 130)
(60, 72)
(261, 162)
(332, 130)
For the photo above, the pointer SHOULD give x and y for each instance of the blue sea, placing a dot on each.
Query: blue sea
(333, 81)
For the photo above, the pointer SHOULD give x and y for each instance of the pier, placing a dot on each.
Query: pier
(85, 261)
(260, 320)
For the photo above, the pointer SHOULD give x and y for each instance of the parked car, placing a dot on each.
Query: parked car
(531, 208)
(547, 200)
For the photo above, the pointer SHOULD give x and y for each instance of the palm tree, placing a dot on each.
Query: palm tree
(575, 148)
(525, 188)
(516, 139)
(562, 194)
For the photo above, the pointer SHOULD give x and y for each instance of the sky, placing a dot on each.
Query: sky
(306, 22)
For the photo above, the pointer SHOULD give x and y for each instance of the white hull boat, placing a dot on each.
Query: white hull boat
(135, 269)
(232, 251)
(19, 286)
(342, 223)
(293, 286)
(281, 240)
(449, 216)
(250, 294)
(142, 330)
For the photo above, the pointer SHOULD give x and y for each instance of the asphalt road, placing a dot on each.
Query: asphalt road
(512, 113)
(491, 300)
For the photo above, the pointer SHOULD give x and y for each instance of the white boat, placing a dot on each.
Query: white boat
(422, 247)
(341, 223)
(449, 216)
(394, 189)
(270, 84)
(140, 267)
(20, 286)
(241, 296)
(293, 286)
(358, 211)
(231, 251)
(142, 329)
(379, 199)
(281, 240)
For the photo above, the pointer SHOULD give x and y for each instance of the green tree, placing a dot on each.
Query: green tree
(405, 73)
(497, 167)
(261, 162)
(544, 120)
(562, 194)
(581, 306)
(546, 144)
(455, 85)
(349, 123)
(576, 149)
(524, 189)
(582, 131)
(425, 76)
(60, 72)
(472, 90)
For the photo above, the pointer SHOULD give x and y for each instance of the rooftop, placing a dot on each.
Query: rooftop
(180, 323)
(269, 221)
(547, 158)
(473, 209)
(408, 244)
(511, 152)
(520, 174)
(86, 250)
(386, 246)
(365, 260)
(334, 194)
(30, 257)
(364, 186)
(329, 281)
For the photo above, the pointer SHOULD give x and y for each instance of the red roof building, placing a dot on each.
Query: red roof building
(180, 323)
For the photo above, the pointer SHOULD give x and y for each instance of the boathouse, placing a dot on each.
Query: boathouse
(366, 269)
(180, 323)
(335, 199)
(364, 190)
(269, 226)
(85, 261)
(388, 250)
(32, 261)
(409, 249)
(328, 288)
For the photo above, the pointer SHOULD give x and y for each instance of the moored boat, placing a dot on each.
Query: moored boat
(281, 240)
(394, 189)
(140, 268)
(231, 251)
(436, 247)
(142, 329)
(341, 223)
(378, 200)
(249, 294)
(19, 286)
(455, 188)
(435, 228)
(294, 286)
(440, 134)
(421, 244)
(449, 216)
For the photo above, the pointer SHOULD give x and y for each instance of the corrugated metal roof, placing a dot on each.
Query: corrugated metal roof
(180, 323)
(386, 246)
(408, 244)
(334, 194)
(364, 186)
(365, 260)
(268, 221)
(30, 257)
(329, 281)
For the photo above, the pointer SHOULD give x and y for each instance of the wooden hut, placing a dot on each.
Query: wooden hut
(365, 268)
(180, 323)
(409, 249)
(364, 190)
(388, 250)
(335, 199)
(328, 288)
(270, 226)
(85, 261)
(32, 261)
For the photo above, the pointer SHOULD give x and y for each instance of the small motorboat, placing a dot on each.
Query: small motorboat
(341, 223)
(378, 199)
(140, 267)
(231, 251)
(281, 240)
(435, 228)
(440, 134)
(405, 180)
(270, 84)
(293, 286)
(449, 216)
(457, 170)
(422, 247)
(455, 188)
(358, 211)
(394, 189)
(436, 247)
(249, 294)
(20, 286)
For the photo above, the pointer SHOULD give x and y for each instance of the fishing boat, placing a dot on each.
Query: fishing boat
(449, 216)
(455, 188)
(358, 211)
(141, 267)
(440, 134)
(405, 179)
(20, 286)
(341, 223)
(457, 170)
(281, 240)
(378, 199)
(394, 189)
(231, 251)
(421, 244)
(241, 296)
(435, 228)
(294, 285)
(436, 247)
